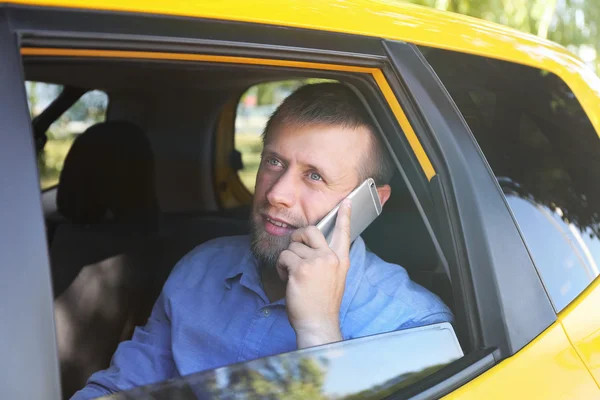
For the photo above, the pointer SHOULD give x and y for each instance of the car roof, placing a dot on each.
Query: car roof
(376, 18)
(379, 18)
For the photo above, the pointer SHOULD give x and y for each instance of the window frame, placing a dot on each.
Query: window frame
(28, 344)
(503, 102)
(477, 213)
(38, 27)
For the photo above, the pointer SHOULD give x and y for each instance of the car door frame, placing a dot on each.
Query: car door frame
(468, 191)
(28, 347)
(497, 332)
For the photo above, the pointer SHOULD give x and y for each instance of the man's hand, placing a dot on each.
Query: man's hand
(316, 278)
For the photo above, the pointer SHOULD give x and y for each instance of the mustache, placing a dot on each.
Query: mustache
(283, 214)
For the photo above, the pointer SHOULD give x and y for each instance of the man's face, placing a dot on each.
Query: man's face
(304, 173)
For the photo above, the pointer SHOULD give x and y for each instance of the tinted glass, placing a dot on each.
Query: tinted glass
(365, 368)
(546, 156)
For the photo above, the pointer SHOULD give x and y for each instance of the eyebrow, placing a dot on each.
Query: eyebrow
(266, 150)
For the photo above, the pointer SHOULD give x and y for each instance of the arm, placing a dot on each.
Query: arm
(144, 359)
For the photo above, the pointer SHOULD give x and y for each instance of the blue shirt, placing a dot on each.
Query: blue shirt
(213, 312)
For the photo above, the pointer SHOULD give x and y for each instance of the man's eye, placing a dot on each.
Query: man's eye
(315, 177)
(273, 161)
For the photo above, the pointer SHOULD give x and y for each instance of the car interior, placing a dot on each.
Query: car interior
(140, 190)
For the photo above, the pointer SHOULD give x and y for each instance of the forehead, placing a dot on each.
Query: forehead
(331, 147)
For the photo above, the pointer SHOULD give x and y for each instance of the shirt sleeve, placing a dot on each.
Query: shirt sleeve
(145, 359)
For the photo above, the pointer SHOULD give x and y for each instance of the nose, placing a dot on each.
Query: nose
(283, 191)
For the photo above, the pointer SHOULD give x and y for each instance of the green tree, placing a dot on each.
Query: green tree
(285, 378)
(571, 23)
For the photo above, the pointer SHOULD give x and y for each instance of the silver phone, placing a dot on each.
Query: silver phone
(365, 208)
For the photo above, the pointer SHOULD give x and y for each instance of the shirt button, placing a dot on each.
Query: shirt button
(266, 312)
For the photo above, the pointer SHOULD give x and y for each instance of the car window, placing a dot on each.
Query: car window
(546, 155)
(254, 109)
(88, 110)
(354, 369)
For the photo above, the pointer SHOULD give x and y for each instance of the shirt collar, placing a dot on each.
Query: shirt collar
(246, 271)
(238, 269)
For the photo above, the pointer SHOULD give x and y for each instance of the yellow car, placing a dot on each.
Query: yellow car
(495, 208)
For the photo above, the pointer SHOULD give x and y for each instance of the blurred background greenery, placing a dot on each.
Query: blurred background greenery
(88, 110)
(571, 23)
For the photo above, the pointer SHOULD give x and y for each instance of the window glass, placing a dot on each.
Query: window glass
(546, 155)
(351, 370)
(88, 110)
(254, 109)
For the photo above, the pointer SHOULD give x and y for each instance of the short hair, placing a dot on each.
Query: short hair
(334, 104)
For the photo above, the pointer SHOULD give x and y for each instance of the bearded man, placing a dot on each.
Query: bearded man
(283, 288)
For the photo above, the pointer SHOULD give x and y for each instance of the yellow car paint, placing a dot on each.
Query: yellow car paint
(379, 18)
(547, 368)
(581, 320)
(563, 362)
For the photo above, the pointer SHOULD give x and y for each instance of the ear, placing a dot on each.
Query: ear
(384, 192)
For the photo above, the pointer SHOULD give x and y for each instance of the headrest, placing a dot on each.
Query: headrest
(108, 176)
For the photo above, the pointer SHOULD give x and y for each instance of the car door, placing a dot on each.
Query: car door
(491, 270)
(581, 321)
(27, 345)
(544, 362)
(363, 64)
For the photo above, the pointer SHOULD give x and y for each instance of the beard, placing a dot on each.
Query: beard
(265, 247)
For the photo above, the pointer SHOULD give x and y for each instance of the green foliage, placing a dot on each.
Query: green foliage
(393, 385)
(88, 110)
(571, 23)
(51, 160)
(290, 379)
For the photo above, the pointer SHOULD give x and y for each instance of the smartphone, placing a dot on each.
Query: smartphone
(365, 208)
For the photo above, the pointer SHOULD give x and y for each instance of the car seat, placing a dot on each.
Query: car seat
(103, 258)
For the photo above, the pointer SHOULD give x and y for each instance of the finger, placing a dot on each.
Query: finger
(302, 250)
(340, 239)
(310, 236)
(286, 263)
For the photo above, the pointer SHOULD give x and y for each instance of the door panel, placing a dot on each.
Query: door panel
(492, 266)
(547, 368)
(27, 347)
(581, 321)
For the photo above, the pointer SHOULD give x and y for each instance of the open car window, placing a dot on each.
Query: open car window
(361, 368)
(176, 149)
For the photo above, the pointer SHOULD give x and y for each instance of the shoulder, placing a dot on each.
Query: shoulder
(393, 281)
(392, 300)
(215, 256)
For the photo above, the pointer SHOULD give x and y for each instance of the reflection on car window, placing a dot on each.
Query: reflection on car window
(88, 110)
(563, 250)
(546, 154)
(350, 370)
